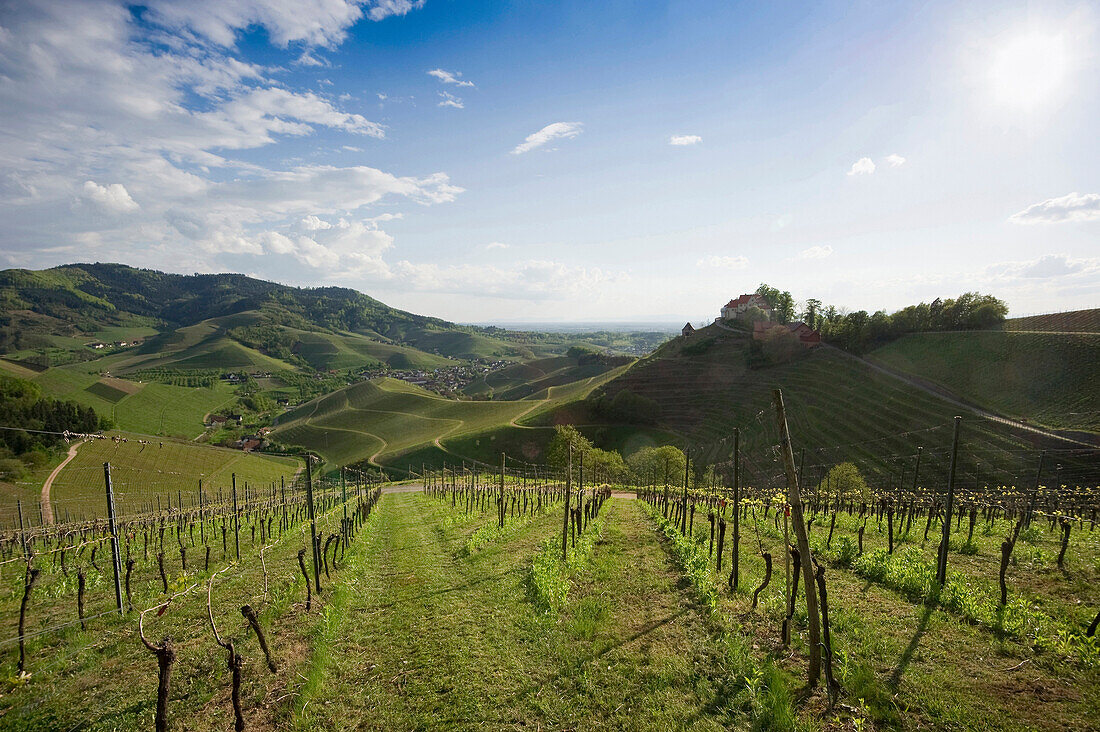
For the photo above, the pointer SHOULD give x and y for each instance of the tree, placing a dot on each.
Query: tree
(812, 313)
(844, 480)
(557, 451)
(664, 464)
(781, 302)
(780, 345)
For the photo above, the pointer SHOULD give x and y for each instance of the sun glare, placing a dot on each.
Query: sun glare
(1029, 69)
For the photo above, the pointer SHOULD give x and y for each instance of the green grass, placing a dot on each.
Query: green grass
(142, 473)
(151, 408)
(621, 653)
(1047, 378)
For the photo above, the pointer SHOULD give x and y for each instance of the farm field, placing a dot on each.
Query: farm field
(432, 617)
(142, 474)
(147, 407)
(1046, 378)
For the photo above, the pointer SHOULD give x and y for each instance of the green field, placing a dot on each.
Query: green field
(1051, 379)
(142, 473)
(149, 408)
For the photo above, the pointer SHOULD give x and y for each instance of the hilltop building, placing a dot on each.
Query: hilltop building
(738, 305)
(687, 330)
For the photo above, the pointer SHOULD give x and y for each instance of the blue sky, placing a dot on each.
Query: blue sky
(487, 161)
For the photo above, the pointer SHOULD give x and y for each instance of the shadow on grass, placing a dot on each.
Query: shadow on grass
(914, 642)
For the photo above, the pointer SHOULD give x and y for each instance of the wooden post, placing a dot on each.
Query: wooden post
(736, 574)
(114, 536)
(1034, 490)
(312, 523)
(501, 512)
(568, 491)
(22, 531)
(344, 493)
(684, 502)
(941, 564)
(236, 519)
(803, 540)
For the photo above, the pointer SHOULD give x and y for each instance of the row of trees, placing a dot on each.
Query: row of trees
(23, 405)
(860, 331)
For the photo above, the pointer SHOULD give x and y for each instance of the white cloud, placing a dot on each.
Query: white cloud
(308, 59)
(529, 280)
(716, 262)
(113, 197)
(381, 9)
(1046, 267)
(1070, 207)
(314, 22)
(555, 131)
(449, 77)
(863, 166)
(495, 245)
(816, 252)
(894, 160)
(282, 111)
(685, 140)
(450, 100)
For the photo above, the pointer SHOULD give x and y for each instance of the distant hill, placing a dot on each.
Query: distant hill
(37, 308)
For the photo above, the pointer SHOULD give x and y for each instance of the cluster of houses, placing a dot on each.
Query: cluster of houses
(738, 308)
(100, 345)
(446, 381)
(234, 377)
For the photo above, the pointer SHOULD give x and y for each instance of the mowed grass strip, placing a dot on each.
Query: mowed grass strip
(431, 638)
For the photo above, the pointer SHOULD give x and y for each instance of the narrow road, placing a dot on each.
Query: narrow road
(47, 509)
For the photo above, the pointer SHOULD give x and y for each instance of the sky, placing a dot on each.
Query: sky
(562, 161)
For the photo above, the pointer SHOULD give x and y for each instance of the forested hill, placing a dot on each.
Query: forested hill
(83, 297)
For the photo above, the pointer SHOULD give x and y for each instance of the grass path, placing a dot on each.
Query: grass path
(47, 509)
(432, 638)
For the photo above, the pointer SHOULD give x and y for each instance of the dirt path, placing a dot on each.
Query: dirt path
(47, 509)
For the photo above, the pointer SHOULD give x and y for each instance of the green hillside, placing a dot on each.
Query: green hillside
(838, 409)
(386, 421)
(142, 473)
(146, 407)
(51, 313)
(1073, 321)
(1048, 378)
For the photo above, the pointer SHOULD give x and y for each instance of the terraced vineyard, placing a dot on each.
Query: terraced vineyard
(1047, 378)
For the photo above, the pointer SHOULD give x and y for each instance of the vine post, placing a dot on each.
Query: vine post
(312, 523)
(115, 555)
(941, 563)
(803, 540)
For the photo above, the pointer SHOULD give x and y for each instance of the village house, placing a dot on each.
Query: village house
(739, 305)
(807, 336)
(249, 443)
(687, 330)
